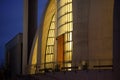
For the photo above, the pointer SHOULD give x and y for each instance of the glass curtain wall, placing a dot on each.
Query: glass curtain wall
(65, 27)
(49, 54)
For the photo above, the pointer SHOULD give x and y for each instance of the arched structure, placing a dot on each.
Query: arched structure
(74, 33)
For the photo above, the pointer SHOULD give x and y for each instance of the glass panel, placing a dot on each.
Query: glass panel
(47, 49)
(65, 9)
(52, 25)
(70, 55)
(68, 36)
(70, 7)
(49, 58)
(62, 20)
(62, 11)
(51, 33)
(49, 54)
(50, 41)
(67, 57)
(50, 49)
(70, 27)
(62, 2)
(68, 46)
(62, 29)
(65, 26)
(69, 0)
(65, 37)
(70, 16)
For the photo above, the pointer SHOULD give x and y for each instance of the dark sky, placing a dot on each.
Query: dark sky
(11, 20)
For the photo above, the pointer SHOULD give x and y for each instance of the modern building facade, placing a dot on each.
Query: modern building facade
(75, 34)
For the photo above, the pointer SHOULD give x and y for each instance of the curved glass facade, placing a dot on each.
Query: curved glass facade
(65, 28)
(64, 16)
(50, 46)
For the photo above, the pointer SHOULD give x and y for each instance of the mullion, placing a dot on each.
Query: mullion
(65, 24)
(66, 13)
(64, 5)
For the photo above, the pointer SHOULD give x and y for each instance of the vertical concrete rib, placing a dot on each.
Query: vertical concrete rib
(29, 29)
(116, 40)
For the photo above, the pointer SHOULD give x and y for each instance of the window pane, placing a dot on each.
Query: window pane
(62, 29)
(52, 25)
(68, 46)
(49, 58)
(62, 20)
(50, 41)
(70, 7)
(69, 0)
(66, 57)
(51, 33)
(68, 36)
(51, 49)
(62, 2)
(47, 49)
(70, 27)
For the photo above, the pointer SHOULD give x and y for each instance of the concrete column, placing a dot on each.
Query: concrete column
(116, 40)
(80, 30)
(29, 29)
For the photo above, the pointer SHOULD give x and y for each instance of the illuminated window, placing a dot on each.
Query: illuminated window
(68, 46)
(65, 26)
(49, 54)
(68, 56)
(51, 33)
(68, 36)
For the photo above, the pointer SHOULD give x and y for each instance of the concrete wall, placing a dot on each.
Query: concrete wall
(100, 36)
(80, 30)
(116, 40)
(92, 34)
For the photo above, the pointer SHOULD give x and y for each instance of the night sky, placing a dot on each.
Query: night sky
(11, 21)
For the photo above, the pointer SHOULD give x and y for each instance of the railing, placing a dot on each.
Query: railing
(69, 66)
